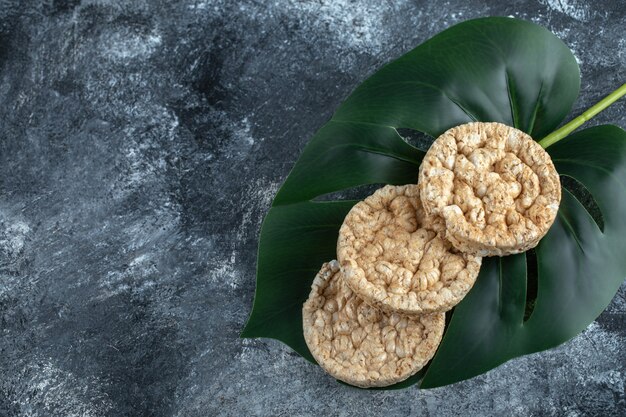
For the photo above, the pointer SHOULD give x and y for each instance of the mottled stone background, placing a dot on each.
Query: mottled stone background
(141, 143)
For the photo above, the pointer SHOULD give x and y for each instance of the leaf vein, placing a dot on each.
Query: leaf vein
(570, 228)
(533, 118)
(510, 88)
(454, 101)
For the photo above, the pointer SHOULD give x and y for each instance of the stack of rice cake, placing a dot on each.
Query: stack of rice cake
(407, 254)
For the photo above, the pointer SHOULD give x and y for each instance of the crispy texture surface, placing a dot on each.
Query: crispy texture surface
(359, 344)
(394, 256)
(495, 187)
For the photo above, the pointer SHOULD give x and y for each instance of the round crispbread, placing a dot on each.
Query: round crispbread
(495, 187)
(359, 344)
(395, 258)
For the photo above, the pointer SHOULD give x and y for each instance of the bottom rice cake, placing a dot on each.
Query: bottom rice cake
(359, 344)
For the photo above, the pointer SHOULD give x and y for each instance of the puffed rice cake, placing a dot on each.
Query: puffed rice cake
(359, 344)
(395, 258)
(495, 187)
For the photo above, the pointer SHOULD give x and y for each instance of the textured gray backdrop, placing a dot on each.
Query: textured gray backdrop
(141, 143)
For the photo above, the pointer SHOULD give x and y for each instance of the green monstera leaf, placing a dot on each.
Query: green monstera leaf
(490, 69)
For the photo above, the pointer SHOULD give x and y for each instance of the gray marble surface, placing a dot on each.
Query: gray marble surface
(141, 143)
